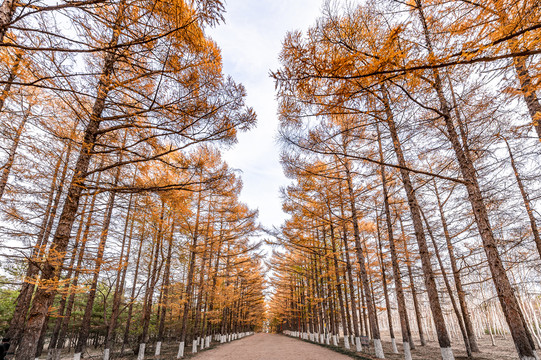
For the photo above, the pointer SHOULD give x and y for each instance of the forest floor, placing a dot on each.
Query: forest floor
(503, 350)
(281, 347)
(269, 347)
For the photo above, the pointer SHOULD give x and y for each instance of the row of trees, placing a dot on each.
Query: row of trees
(411, 131)
(121, 225)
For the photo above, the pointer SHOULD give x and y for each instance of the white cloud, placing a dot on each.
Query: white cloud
(251, 41)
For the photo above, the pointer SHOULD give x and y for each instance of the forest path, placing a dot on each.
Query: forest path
(269, 347)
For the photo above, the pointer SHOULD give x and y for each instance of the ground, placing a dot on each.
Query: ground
(269, 347)
(280, 347)
(503, 350)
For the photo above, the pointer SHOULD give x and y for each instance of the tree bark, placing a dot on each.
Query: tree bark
(24, 298)
(364, 276)
(6, 15)
(119, 286)
(459, 316)
(354, 316)
(75, 281)
(430, 283)
(165, 287)
(154, 271)
(338, 283)
(521, 337)
(401, 302)
(456, 275)
(525, 200)
(191, 268)
(385, 290)
(134, 285)
(65, 293)
(85, 324)
(6, 168)
(529, 93)
(9, 82)
(51, 268)
(414, 296)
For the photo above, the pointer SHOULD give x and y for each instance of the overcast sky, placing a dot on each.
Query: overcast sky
(251, 41)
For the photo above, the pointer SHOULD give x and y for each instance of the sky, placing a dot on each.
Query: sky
(251, 40)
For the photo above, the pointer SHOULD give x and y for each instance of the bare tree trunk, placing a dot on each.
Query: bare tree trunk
(189, 283)
(199, 300)
(134, 285)
(364, 276)
(165, 292)
(63, 302)
(437, 314)
(354, 315)
(75, 281)
(24, 298)
(41, 340)
(338, 283)
(528, 92)
(402, 310)
(85, 324)
(385, 290)
(6, 15)
(51, 268)
(9, 82)
(120, 277)
(6, 168)
(449, 289)
(521, 337)
(205, 255)
(414, 296)
(215, 274)
(362, 309)
(525, 199)
(153, 272)
(456, 274)
(330, 292)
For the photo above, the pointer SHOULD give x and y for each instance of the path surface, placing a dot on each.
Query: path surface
(269, 347)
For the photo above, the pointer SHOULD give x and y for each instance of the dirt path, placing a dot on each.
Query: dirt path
(269, 347)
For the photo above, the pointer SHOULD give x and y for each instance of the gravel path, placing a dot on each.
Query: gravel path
(269, 347)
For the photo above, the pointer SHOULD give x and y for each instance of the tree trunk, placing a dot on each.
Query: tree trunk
(528, 92)
(364, 276)
(402, 310)
(414, 296)
(165, 291)
(6, 168)
(430, 283)
(459, 316)
(120, 278)
(75, 282)
(385, 290)
(354, 314)
(86, 324)
(338, 283)
(456, 274)
(9, 82)
(526, 200)
(153, 273)
(45, 294)
(134, 285)
(189, 280)
(523, 341)
(6, 15)
(24, 298)
(65, 294)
